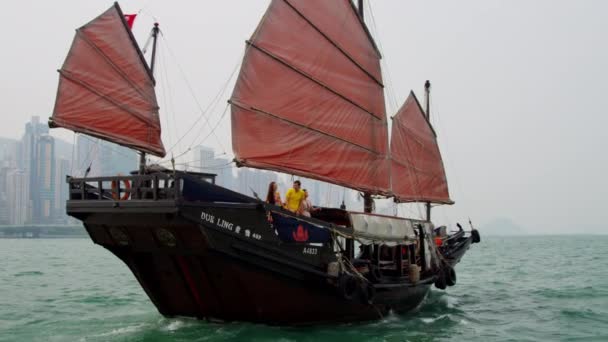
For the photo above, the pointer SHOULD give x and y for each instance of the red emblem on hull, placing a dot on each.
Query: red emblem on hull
(300, 235)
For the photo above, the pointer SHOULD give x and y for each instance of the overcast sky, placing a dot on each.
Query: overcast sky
(519, 89)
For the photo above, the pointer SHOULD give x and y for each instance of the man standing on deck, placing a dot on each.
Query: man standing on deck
(294, 197)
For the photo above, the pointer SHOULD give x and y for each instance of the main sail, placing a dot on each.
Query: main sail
(309, 99)
(106, 89)
(417, 169)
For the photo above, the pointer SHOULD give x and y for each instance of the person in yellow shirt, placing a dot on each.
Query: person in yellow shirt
(294, 197)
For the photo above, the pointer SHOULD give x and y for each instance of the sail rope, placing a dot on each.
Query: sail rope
(221, 119)
(392, 99)
(203, 112)
(73, 148)
(168, 100)
(390, 90)
(459, 189)
(96, 145)
(91, 155)
(214, 167)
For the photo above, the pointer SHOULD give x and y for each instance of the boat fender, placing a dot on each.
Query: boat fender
(367, 293)
(374, 274)
(440, 282)
(347, 286)
(333, 269)
(475, 235)
(115, 193)
(414, 273)
(449, 275)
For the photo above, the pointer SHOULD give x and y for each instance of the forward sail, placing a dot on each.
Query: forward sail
(106, 89)
(309, 99)
(417, 169)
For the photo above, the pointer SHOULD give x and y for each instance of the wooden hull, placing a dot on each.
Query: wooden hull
(224, 261)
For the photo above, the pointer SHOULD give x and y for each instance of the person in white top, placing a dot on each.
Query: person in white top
(306, 207)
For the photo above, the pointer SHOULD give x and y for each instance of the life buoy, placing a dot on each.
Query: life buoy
(450, 275)
(347, 285)
(115, 192)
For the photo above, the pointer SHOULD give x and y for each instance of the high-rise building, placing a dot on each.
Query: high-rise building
(4, 218)
(203, 159)
(103, 157)
(17, 197)
(4, 211)
(8, 153)
(28, 162)
(33, 130)
(62, 169)
(44, 202)
(223, 171)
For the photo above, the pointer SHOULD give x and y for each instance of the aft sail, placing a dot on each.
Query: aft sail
(417, 169)
(309, 99)
(106, 89)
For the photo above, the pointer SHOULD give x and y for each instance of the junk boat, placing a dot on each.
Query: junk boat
(308, 101)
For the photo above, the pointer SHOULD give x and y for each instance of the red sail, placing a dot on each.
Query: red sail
(309, 99)
(106, 88)
(417, 169)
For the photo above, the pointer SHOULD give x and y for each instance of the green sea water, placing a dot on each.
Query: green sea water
(551, 288)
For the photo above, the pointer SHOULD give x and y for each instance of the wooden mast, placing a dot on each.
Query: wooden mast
(155, 30)
(368, 201)
(427, 97)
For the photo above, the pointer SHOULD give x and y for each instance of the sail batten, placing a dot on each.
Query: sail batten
(294, 68)
(377, 80)
(106, 88)
(309, 98)
(417, 170)
(92, 89)
(114, 66)
(303, 126)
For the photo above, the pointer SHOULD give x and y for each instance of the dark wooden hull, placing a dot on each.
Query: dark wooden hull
(232, 267)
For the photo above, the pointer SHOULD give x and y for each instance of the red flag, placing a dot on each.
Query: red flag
(130, 18)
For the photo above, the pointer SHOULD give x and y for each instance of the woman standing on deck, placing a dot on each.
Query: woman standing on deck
(273, 196)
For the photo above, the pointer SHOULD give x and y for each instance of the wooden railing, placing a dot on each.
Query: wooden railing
(157, 186)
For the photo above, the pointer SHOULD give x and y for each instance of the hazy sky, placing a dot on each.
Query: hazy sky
(519, 88)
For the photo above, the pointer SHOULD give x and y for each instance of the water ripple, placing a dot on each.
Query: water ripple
(510, 289)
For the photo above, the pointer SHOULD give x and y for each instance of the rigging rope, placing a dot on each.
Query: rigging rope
(214, 128)
(392, 98)
(192, 93)
(166, 87)
(73, 147)
(447, 159)
(389, 84)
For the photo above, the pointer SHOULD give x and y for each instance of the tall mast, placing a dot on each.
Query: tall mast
(368, 201)
(360, 8)
(427, 99)
(155, 30)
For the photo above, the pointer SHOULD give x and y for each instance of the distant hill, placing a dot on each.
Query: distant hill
(502, 226)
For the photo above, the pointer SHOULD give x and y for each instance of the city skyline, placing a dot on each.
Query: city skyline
(34, 170)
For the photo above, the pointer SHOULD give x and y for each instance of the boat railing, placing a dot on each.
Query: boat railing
(157, 186)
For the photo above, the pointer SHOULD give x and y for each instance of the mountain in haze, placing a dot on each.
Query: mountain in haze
(502, 226)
